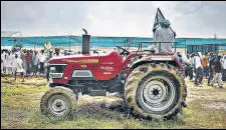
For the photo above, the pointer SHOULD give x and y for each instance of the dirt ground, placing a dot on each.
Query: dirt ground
(20, 109)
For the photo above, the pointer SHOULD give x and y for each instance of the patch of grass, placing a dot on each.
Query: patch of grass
(199, 117)
(20, 109)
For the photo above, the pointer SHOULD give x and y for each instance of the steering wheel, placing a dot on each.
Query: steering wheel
(122, 51)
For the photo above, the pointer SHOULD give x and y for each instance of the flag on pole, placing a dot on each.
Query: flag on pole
(158, 18)
(47, 46)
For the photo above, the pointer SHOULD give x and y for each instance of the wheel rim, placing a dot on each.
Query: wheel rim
(158, 94)
(58, 105)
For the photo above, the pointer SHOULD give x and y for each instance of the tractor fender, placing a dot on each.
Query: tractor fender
(139, 62)
(156, 59)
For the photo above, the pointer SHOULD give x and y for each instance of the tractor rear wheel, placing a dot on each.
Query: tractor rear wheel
(59, 102)
(155, 91)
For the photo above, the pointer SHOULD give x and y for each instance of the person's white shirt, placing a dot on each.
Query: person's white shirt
(193, 61)
(198, 62)
(2, 61)
(9, 60)
(42, 57)
(18, 65)
(36, 59)
(163, 34)
(13, 63)
(224, 62)
(4, 57)
(17, 53)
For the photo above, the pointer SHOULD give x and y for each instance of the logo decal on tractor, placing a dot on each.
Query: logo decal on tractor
(107, 68)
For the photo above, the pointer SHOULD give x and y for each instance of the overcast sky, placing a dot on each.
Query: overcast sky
(118, 18)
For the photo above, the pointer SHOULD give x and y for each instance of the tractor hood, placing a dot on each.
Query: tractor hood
(86, 58)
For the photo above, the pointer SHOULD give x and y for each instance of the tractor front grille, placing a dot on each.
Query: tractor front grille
(82, 73)
(55, 75)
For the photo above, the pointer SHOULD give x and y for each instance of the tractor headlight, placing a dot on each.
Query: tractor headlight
(52, 68)
(56, 71)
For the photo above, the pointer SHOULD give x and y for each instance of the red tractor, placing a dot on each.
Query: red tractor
(151, 84)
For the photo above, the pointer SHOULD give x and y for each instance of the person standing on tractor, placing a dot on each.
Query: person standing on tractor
(199, 70)
(163, 34)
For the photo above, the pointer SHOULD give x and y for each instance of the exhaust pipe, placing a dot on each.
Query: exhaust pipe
(85, 43)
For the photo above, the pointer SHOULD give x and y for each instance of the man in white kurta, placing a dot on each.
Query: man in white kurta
(13, 61)
(4, 58)
(18, 64)
(9, 63)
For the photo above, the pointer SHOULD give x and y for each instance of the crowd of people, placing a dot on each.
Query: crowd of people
(33, 63)
(209, 66)
(27, 62)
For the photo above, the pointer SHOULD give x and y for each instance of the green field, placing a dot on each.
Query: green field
(20, 109)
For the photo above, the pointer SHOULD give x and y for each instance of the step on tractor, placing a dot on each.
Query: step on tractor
(151, 84)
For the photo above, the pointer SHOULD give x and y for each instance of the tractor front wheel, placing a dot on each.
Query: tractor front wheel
(59, 102)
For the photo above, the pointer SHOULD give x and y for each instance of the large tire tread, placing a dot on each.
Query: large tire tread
(59, 90)
(136, 76)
